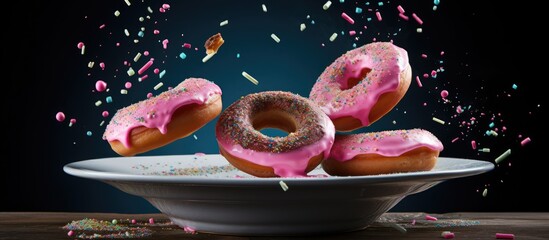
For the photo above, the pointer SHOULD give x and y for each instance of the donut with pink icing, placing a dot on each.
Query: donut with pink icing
(310, 134)
(363, 85)
(160, 120)
(383, 153)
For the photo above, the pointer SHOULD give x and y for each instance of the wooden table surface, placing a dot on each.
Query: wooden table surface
(466, 225)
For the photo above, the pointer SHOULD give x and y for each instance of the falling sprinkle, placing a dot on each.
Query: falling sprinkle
(182, 55)
(347, 18)
(302, 27)
(137, 56)
(116, 13)
(195, 137)
(159, 85)
(418, 20)
(250, 78)
(98, 103)
(418, 81)
(162, 73)
(90, 64)
(221, 24)
(525, 141)
(264, 7)
(503, 156)
(207, 57)
(130, 72)
(333, 37)
(514, 86)
(438, 120)
(485, 192)
(126, 32)
(327, 5)
(60, 117)
(275, 38)
(378, 15)
(358, 10)
(473, 144)
(419, 30)
(485, 150)
(128, 2)
(283, 185)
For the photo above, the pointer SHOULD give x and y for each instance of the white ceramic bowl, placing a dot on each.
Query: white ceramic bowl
(207, 194)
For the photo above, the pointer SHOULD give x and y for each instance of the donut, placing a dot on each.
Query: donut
(383, 153)
(363, 85)
(160, 120)
(310, 134)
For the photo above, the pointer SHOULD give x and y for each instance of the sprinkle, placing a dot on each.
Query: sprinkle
(182, 55)
(250, 78)
(447, 235)
(130, 72)
(418, 20)
(151, 220)
(400, 9)
(159, 85)
(105, 113)
(102, 123)
(165, 43)
(116, 13)
(352, 32)
(140, 79)
(283, 185)
(162, 73)
(264, 7)
(72, 122)
(207, 57)
(378, 15)
(126, 32)
(327, 5)
(149, 9)
(221, 24)
(133, 221)
(108, 99)
(430, 218)
(144, 67)
(486, 150)
(137, 56)
(274, 37)
(419, 30)
(473, 144)
(418, 82)
(98, 103)
(358, 10)
(128, 85)
(188, 229)
(485, 192)
(60, 117)
(102, 65)
(186, 45)
(114, 221)
(380, 4)
(302, 27)
(444, 93)
(505, 236)
(491, 125)
(102, 26)
(525, 141)
(83, 50)
(503, 156)
(401, 15)
(195, 137)
(238, 55)
(89, 133)
(515, 86)
(70, 233)
(123, 91)
(438, 120)
(455, 139)
(346, 17)
(128, 2)
(90, 64)
(333, 37)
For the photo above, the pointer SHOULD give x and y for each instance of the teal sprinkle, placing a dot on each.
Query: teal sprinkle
(436, 2)
(162, 73)
(182, 55)
(367, 3)
(140, 34)
(368, 19)
(491, 125)
(342, 33)
(108, 99)
(354, 45)
(380, 4)
(515, 86)
(312, 21)
(358, 10)
(341, 1)
(238, 55)
(89, 133)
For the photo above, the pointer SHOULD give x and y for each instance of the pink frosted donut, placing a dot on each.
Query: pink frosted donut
(383, 152)
(363, 85)
(311, 134)
(160, 120)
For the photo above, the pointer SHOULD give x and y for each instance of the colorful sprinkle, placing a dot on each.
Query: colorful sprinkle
(503, 156)
(283, 185)
(60, 116)
(525, 141)
(275, 38)
(505, 236)
(250, 78)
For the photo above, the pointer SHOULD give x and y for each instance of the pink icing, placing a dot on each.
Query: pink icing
(156, 112)
(331, 92)
(385, 143)
(286, 164)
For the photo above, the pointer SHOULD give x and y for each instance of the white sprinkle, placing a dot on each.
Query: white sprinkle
(302, 27)
(221, 24)
(137, 56)
(90, 64)
(98, 103)
(333, 37)
(486, 150)
(128, 2)
(159, 85)
(485, 192)
(123, 91)
(101, 123)
(264, 7)
(419, 30)
(274, 37)
(130, 72)
(116, 13)
(83, 50)
(195, 137)
(327, 5)
(438, 120)
(283, 185)
(149, 9)
(503, 156)
(249, 77)
(126, 32)
(141, 19)
(207, 57)
(135, 40)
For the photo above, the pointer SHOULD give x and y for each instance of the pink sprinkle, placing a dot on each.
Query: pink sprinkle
(166, 6)
(525, 141)
(199, 154)
(151, 220)
(441, 53)
(434, 73)
(70, 233)
(444, 93)
(128, 85)
(425, 75)
(418, 82)
(118, 44)
(133, 221)
(102, 65)
(73, 121)
(156, 32)
(100, 85)
(418, 20)
(149, 95)
(156, 70)
(455, 139)
(105, 114)
(165, 43)
(400, 9)
(143, 77)
(186, 45)
(413, 222)
(125, 63)
(346, 17)
(80, 45)
(424, 55)
(378, 15)
(146, 53)
(188, 229)
(60, 116)
(145, 67)
(102, 26)
(162, 10)
(352, 32)
(505, 236)
(459, 109)
(401, 15)
(448, 235)
(430, 218)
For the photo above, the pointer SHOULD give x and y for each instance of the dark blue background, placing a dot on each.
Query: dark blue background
(484, 57)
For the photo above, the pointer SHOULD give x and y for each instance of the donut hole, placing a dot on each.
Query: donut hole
(274, 122)
(353, 81)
